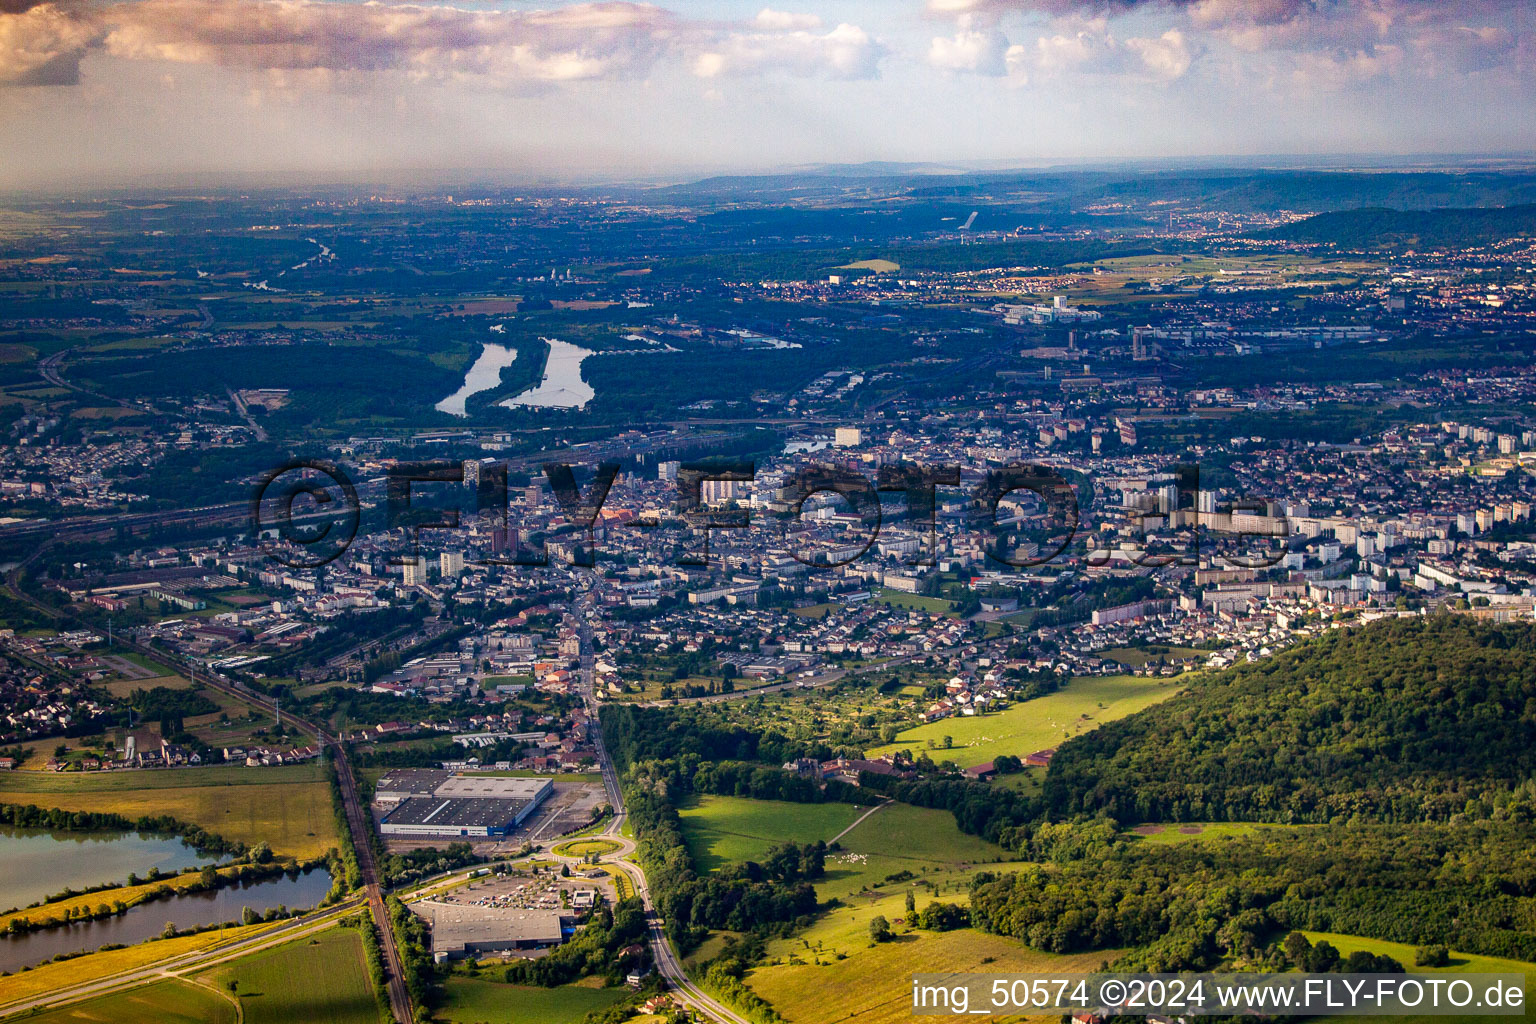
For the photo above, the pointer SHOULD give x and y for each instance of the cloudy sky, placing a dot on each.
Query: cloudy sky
(101, 91)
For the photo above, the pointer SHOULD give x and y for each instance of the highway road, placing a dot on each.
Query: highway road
(188, 963)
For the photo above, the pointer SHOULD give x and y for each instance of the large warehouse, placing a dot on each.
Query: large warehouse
(441, 804)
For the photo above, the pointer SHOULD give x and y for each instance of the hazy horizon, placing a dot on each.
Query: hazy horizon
(95, 93)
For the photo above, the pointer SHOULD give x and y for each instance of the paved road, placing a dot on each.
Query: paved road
(245, 414)
(666, 959)
(188, 963)
(358, 819)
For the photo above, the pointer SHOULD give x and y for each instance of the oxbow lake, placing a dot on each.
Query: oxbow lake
(38, 863)
(35, 863)
(561, 388)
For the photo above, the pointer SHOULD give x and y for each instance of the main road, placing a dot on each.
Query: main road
(666, 959)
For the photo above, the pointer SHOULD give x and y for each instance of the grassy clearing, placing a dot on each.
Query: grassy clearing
(319, 980)
(473, 1001)
(53, 977)
(807, 983)
(623, 888)
(897, 599)
(878, 266)
(1084, 703)
(1461, 963)
(1028, 781)
(288, 807)
(1135, 657)
(1168, 835)
(816, 611)
(724, 829)
(165, 1002)
(901, 838)
(123, 688)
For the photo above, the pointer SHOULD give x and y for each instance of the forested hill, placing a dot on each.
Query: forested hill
(1383, 228)
(1402, 720)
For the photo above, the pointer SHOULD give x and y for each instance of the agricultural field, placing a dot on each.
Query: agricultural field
(477, 1001)
(123, 688)
(1461, 963)
(902, 838)
(288, 807)
(52, 977)
(726, 829)
(165, 1002)
(1085, 703)
(879, 266)
(318, 980)
(833, 972)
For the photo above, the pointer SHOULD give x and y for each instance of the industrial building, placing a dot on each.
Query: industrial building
(459, 930)
(442, 804)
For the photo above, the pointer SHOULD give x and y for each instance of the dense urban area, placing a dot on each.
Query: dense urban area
(718, 601)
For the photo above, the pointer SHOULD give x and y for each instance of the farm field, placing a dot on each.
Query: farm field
(64, 973)
(1461, 963)
(1083, 704)
(725, 829)
(123, 688)
(288, 807)
(900, 837)
(319, 980)
(475, 1001)
(165, 1002)
(807, 983)
(879, 266)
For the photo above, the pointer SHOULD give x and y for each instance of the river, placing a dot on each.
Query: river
(482, 376)
(562, 387)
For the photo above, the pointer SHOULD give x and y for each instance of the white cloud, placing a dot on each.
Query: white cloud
(846, 51)
(1166, 57)
(974, 48)
(770, 20)
(43, 43)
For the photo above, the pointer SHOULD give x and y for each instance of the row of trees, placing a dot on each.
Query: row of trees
(740, 897)
(55, 819)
